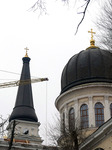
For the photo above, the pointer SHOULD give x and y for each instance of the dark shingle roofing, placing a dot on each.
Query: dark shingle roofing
(24, 109)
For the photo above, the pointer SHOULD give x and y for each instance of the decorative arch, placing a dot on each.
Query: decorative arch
(111, 110)
(99, 114)
(71, 119)
(84, 116)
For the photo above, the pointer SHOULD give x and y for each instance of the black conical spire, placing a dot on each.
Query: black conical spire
(24, 109)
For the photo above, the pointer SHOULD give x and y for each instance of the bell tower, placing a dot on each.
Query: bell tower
(23, 120)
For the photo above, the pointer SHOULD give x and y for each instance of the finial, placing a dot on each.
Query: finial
(92, 41)
(26, 52)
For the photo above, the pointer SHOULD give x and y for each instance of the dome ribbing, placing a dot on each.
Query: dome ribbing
(91, 65)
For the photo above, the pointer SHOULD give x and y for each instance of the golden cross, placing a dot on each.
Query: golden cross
(26, 52)
(91, 33)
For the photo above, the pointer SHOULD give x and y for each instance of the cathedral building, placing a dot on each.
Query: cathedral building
(86, 96)
(84, 103)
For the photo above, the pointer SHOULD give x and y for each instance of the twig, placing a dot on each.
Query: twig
(84, 13)
(39, 5)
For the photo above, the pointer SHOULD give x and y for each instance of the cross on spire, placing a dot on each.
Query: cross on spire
(91, 33)
(26, 52)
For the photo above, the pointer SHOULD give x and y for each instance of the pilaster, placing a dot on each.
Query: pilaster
(77, 118)
(91, 113)
(66, 116)
(106, 109)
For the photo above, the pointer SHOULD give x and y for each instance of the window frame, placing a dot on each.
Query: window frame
(71, 119)
(84, 116)
(99, 114)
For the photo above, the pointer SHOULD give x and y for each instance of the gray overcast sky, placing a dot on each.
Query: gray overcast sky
(51, 42)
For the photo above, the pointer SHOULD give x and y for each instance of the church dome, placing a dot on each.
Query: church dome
(91, 65)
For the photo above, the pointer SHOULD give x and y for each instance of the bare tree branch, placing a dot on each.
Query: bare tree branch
(84, 13)
(39, 5)
(3, 125)
(104, 24)
(67, 139)
(85, 6)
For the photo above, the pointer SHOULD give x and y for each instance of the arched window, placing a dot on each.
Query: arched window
(71, 119)
(111, 110)
(84, 116)
(99, 114)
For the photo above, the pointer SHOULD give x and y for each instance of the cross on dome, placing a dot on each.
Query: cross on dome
(91, 33)
(92, 41)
